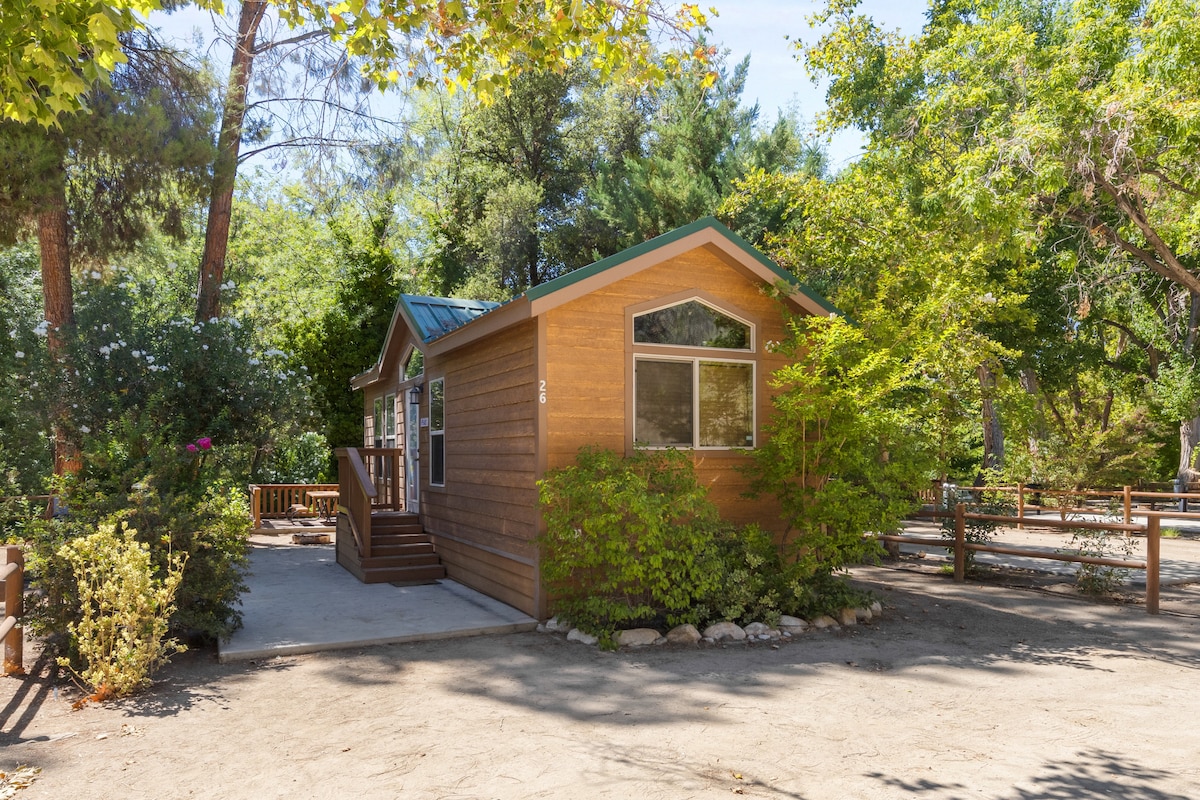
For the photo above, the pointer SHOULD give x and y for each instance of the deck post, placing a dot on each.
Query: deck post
(1020, 505)
(960, 542)
(14, 606)
(1128, 492)
(1153, 541)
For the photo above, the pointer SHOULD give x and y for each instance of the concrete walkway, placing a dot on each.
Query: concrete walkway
(301, 601)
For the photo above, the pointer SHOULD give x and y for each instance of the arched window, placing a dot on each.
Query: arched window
(703, 399)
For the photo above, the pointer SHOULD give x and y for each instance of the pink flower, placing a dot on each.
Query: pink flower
(204, 442)
(191, 448)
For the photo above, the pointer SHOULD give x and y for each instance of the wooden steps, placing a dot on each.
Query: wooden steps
(401, 552)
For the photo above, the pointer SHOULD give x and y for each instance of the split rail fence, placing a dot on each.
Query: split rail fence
(12, 575)
(961, 546)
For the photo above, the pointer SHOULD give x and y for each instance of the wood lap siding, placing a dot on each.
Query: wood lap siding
(488, 506)
(587, 360)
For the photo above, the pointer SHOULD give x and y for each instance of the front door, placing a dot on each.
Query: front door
(412, 475)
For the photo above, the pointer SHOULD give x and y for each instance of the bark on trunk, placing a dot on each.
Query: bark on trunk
(993, 434)
(1189, 429)
(216, 236)
(58, 304)
(1189, 434)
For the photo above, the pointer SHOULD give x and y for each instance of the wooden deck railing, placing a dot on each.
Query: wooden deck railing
(357, 495)
(385, 466)
(960, 545)
(12, 574)
(274, 500)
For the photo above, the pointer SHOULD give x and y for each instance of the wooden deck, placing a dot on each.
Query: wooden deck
(298, 525)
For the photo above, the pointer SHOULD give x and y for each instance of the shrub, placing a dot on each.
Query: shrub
(629, 540)
(636, 541)
(1097, 579)
(166, 496)
(121, 632)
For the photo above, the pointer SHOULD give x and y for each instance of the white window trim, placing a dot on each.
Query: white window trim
(695, 299)
(695, 361)
(441, 431)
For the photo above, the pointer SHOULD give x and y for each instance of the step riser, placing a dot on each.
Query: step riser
(378, 562)
(403, 550)
(404, 574)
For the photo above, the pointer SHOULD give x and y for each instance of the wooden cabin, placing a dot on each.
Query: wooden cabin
(666, 344)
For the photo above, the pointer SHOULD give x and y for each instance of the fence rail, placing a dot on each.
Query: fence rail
(1068, 501)
(961, 546)
(12, 574)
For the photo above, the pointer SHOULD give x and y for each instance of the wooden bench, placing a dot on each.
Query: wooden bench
(294, 509)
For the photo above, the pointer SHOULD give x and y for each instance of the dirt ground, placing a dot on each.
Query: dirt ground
(975, 691)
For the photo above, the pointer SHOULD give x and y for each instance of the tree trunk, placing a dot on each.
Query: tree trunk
(1189, 435)
(216, 235)
(993, 434)
(58, 303)
(1189, 429)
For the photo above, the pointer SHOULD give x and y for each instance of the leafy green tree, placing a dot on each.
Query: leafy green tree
(699, 141)
(100, 182)
(848, 449)
(350, 333)
(1067, 114)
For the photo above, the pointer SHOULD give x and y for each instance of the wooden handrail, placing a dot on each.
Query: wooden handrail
(357, 491)
(11, 632)
(359, 470)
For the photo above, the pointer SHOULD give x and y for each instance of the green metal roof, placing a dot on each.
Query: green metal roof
(631, 253)
(436, 316)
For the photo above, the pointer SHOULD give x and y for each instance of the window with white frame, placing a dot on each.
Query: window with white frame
(375, 437)
(437, 432)
(697, 401)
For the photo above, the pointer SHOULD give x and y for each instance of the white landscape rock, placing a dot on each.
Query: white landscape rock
(847, 616)
(877, 608)
(790, 624)
(724, 630)
(638, 637)
(863, 614)
(683, 634)
(757, 629)
(577, 635)
(824, 621)
(556, 625)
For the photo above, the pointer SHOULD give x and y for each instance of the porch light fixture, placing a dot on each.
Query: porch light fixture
(414, 395)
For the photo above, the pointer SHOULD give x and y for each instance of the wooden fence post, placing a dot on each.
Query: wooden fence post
(960, 541)
(14, 606)
(1153, 540)
(1128, 504)
(1020, 505)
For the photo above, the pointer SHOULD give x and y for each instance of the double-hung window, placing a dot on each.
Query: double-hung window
(690, 388)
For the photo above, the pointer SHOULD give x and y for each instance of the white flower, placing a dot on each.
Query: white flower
(84, 429)
(203, 347)
(105, 350)
(95, 277)
(149, 359)
(19, 354)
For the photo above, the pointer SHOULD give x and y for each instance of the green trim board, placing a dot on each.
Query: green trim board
(650, 245)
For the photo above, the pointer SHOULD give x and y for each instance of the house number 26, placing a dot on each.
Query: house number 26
(541, 391)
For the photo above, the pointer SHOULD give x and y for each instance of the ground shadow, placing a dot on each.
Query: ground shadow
(1091, 773)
